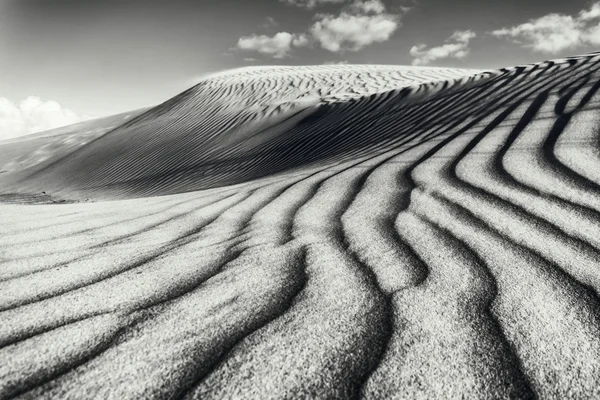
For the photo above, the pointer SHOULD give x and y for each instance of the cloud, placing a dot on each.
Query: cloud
(300, 40)
(360, 24)
(33, 115)
(456, 46)
(462, 36)
(367, 6)
(270, 23)
(335, 62)
(555, 32)
(591, 14)
(277, 46)
(311, 3)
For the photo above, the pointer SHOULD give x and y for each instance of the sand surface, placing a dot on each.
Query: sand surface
(312, 232)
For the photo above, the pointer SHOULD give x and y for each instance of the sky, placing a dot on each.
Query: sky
(62, 61)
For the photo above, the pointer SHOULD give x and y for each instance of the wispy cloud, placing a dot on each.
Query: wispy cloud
(556, 32)
(33, 115)
(358, 25)
(456, 46)
(335, 62)
(270, 23)
(277, 46)
(311, 3)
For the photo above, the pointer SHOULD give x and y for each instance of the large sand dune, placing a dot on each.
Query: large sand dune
(315, 232)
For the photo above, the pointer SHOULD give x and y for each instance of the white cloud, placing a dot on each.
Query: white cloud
(591, 14)
(270, 23)
(359, 24)
(555, 32)
(456, 46)
(33, 115)
(367, 6)
(362, 23)
(462, 36)
(592, 35)
(311, 3)
(352, 32)
(277, 46)
(300, 40)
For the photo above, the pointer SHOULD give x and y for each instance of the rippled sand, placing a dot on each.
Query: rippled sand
(312, 232)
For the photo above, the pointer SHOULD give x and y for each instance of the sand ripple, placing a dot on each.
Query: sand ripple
(314, 232)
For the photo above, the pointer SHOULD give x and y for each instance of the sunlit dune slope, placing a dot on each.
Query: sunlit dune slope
(439, 240)
(231, 127)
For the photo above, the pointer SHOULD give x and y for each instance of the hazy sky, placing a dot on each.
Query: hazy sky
(100, 57)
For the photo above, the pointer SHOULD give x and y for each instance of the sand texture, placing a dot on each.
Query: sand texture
(327, 232)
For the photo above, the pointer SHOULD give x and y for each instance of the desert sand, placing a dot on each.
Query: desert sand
(336, 231)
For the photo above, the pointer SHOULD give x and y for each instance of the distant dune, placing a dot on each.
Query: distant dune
(21, 156)
(313, 232)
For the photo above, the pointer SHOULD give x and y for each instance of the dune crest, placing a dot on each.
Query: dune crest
(318, 232)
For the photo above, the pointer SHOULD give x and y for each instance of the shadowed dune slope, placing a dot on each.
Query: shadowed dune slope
(216, 132)
(334, 232)
(20, 156)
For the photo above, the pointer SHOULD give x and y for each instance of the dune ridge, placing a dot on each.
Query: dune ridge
(214, 133)
(329, 232)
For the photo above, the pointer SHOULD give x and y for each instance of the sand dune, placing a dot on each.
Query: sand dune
(215, 133)
(316, 232)
(20, 156)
